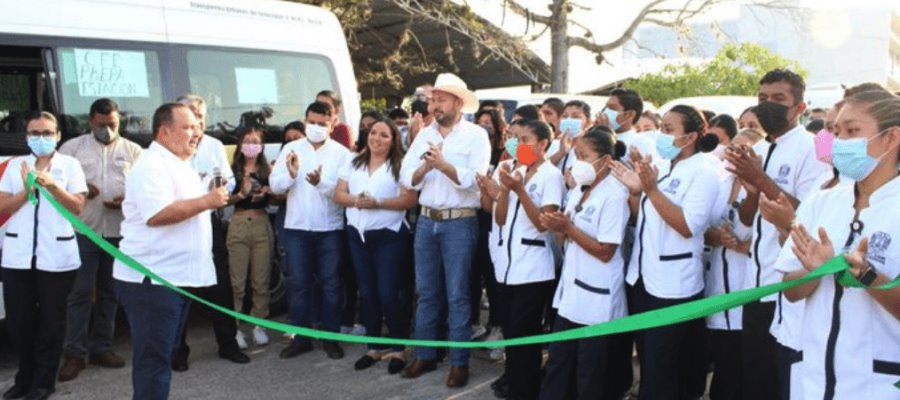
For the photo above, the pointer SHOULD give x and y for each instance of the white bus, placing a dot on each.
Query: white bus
(240, 55)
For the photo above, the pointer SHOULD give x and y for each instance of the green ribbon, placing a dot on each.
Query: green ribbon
(652, 319)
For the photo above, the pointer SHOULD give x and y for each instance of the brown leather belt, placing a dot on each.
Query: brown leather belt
(448, 213)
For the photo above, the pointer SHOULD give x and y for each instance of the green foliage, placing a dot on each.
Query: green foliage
(735, 70)
(379, 104)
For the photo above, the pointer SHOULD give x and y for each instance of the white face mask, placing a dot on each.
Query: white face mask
(583, 172)
(316, 133)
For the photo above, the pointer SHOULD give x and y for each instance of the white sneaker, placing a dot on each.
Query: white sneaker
(358, 330)
(260, 337)
(496, 335)
(241, 340)
(478, 331)
(346, 329)
(287, 338)
(497, 354)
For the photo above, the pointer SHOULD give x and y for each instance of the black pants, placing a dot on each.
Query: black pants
(786, 357)
(667, 354)
(620, 374)
(726, 357)
(483, 275)
(758, 350)
(575, 368)
(350, 300)
(36, 303)
(523, 363)
(224, 327)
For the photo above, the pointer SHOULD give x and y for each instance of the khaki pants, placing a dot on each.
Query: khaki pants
(249, 244)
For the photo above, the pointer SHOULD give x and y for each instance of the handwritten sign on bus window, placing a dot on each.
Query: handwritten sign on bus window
(111, 73)
(256, 86)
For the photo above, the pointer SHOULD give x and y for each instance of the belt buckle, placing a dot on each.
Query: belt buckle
(435, 215)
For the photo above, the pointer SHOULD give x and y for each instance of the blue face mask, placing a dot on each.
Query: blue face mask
(851, 157)
(41, 146)
(665, 146)
(611, 115)
(512, 146)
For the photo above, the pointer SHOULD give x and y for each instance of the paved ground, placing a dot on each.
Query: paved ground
(309, 376)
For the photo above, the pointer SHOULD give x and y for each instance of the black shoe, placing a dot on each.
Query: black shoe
(499, 382)
(364, 362)
(235, 356)
(179, 364)
(295, 349)
(39, 394)
(16, 392)
(396, 365)
(502, 390)
(333, 349)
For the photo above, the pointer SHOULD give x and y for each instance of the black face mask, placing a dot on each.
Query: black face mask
(773, 117)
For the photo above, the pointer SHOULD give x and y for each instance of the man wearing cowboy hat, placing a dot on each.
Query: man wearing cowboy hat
(441, 163)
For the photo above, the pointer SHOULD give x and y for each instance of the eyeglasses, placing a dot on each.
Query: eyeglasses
(45, 133)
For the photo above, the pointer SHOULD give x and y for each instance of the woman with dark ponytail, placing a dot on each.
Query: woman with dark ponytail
(666, 266)
(591, 286)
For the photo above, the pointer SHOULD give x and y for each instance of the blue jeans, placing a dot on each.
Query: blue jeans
(313, 255)
(95, 272)
(379, 263)
(443, 254)
(155, 316)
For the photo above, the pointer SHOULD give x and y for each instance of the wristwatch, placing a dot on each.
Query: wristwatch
(868, 277)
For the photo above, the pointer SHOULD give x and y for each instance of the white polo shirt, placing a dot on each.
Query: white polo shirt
(211, 154)
(670, 264)
(467, 148)
(529, 257)
(791, 163)
(39, 231)
(180, 253)
(591, 291)
(380, 185)
(726, 268)
(311, 208)
(105, 166)
(844, 329)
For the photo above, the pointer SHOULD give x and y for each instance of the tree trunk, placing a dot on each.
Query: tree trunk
(559, 48)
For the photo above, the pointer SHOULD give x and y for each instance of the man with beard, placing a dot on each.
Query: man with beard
(442, 163)
(789, 169)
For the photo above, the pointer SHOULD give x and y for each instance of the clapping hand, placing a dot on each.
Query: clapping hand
(812, 253)
(779, 212)
(555, 221)
(434, 157)
(512, 180)
(745, 164)
(487, 186)
(293, 164)
(626, 176)
(648, 174)
(315, 176)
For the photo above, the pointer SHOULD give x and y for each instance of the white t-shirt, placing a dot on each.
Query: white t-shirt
(380, 185)
(591, 291)
(311, 208)
(844, 329)
(55, 249)
(209, 156)
(467, 148)
(529, 256)
(671, 265)
(180, 253)
(725, 268)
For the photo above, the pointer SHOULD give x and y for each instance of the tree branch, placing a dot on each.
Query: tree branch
(600, 48)
(519, 9)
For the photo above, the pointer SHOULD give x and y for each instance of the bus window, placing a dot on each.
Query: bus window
(129, 77)
(238, 83)
(22, 90)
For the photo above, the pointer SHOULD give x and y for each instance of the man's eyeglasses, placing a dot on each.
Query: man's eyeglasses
(46, 133)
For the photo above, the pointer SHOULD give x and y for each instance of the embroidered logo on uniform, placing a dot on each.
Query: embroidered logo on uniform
(586, 215)
(783, 172)
(673, 186)
(532, 187)
(878, 244)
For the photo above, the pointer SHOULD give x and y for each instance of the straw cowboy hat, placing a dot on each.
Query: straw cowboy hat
(450, 83)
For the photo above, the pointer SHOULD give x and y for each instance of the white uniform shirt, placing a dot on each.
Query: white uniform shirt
(311, 208)
(467, 148)
(844, 329)
(180, 253)
(55, 248)
(380, 185)
(591, 291)
(105, 166)
(210, 155)
(645, 143)
(791, 163)
(529, 257)
(670, 264)
(725, 268)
